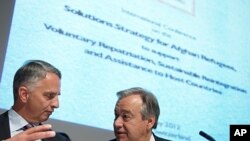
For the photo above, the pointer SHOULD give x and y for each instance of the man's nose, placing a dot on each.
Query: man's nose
(118, 122)
(55, 102)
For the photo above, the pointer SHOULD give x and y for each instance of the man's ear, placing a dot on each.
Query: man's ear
(151, 122)
(23, 94)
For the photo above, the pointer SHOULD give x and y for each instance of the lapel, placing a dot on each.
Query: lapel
(4, 124)
(158, 138)
(58, 137)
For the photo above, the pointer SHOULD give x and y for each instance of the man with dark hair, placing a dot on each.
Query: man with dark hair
(36, 87)
(136, 114)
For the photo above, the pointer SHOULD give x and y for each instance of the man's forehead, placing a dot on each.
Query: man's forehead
(129, 103)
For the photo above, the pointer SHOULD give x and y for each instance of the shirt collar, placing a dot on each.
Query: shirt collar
(152, 138)
(16, 121)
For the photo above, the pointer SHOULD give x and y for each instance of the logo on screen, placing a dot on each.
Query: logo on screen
(239, 132)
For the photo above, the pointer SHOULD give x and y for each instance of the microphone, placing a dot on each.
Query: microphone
(205, 135)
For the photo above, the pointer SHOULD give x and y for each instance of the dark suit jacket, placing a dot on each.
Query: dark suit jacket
(160, 139)
(5, 130)
(156, 139)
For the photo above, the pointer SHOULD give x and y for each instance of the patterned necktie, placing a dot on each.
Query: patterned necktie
(30, 126)
(27, 127)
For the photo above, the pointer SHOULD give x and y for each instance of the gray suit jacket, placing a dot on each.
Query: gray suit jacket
(5, 130)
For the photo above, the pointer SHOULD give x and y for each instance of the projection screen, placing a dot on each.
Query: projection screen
(191, 54)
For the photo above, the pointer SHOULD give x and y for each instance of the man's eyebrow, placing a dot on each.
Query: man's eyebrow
(51, 92)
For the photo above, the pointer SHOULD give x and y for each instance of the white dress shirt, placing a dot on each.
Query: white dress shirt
(152, 138)
(16, 123)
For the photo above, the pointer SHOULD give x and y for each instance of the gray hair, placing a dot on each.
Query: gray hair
(31, 72)
(150, 106)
